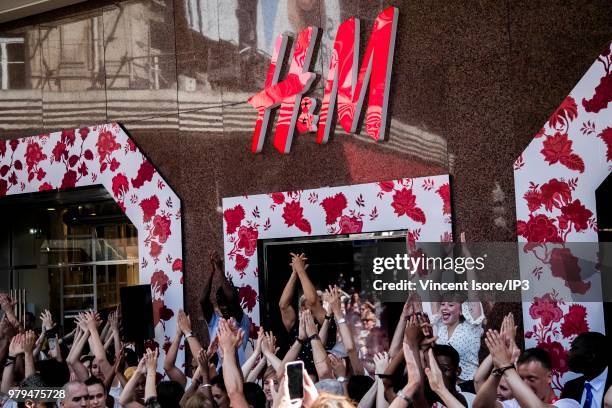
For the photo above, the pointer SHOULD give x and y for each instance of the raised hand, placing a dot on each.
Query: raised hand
(337, 365)
(92, 320)
(433, 373)
(16, 345)
(335, 300)
(151, 360)
(113, 320)
(260, 339)
(310, 391)
(213, 347)
(81, 321)
(298, 262)
(302, 327)
(269, 343)
(501, 355)
(29, 341)
(381, 362)
(47, 320)
(142, 365)
(413, 335)
(280, 398)
(184, 322)
(309, 324)
(7, 303)
(228, 339)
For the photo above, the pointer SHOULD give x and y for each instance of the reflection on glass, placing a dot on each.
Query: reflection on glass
(68, 253)
(12, 62)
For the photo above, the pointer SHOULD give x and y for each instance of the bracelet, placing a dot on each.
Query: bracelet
(188, 335)
(303, 342)
(403, 396)
(328, 317)
(340, 321)
(207, 385)
(498, 372)
(314, 337)
(11, 358)
(383, 376)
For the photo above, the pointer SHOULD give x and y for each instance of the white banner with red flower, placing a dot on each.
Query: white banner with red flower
(555, 181)
(419, 205)
(105, 155)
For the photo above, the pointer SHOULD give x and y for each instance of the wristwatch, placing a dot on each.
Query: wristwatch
(341, 379)
(403, 396)
(498, 372)
(188, 335)
(314, 337)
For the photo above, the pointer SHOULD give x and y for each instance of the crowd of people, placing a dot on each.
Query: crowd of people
(432, 359)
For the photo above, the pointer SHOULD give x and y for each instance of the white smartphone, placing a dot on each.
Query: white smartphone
(295, 379)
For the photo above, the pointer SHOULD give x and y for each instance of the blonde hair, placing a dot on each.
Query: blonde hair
(326, 400)
(198, 400)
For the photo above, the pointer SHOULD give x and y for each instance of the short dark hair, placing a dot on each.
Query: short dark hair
(218, 381)
(93, 381)
(596, 342)
(254, 395)
(358, 385)
(447, 351)
(535, 354)
(169, 394)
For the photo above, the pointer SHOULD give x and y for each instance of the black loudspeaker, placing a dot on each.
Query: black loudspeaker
(137, 314)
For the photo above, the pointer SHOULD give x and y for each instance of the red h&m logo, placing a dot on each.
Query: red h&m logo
(344, 84)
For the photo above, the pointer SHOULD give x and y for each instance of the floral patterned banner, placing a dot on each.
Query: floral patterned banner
(555, 181)
(420, 205)
(106, 155)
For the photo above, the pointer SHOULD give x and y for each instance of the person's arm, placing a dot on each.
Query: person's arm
(128, 394)
(345, 330)
(318, 350)
(286, 309)
(204, 377)
(151, 363)
(252, 360)
(7, 332)
(193, 387)
(232, 375)
(268, 349)
(436, 381)
(206, 298)
(398, 335)
(415, 381)
(369, 398)
(255, 372)
(15, 349)
(394, 365)
(7, 304)
(483, 372)
(74, 355)
(313, 301)
(324, 330)
(97, 346)
(170, 367)
(487, 394)
(381, 362)
(28, 347)
(184, 322)
(108, 382)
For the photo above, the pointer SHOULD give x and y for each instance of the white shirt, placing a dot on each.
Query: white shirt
(598, 385)
(562, 403)
(465, 339)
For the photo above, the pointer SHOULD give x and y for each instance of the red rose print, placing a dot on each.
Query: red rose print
(253, 331)
(155, 249)
(444, 193)
(69, 180)
(14, 143)
(565, 113)
(161, 312)
(177, 265)
(606, 136)
(34, 155)
(278, 198)
(602, 96)
(145, 173)
(160, 282)
(350, 225)
(534, 200)
(564, 265)
(40, 174)
(45, 186)
(555, 193)
(3, 187)
(84, 132)
(233, 217)
(304, 225)
(577, 213)
(166, 346)
(386, 186)
(333, 207)
(120, 185)
(247, 240)
(539, 229)
(404, 202)
(60, 151)
(558, 148)
(68, 137)
(161, 228)
(2, 148)
(131, 145)
(248, 297)
(558, 355)
(149, 207)
(574, 322)
(546, 309)
(241, 263)
(106, 144)
(292, 213)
